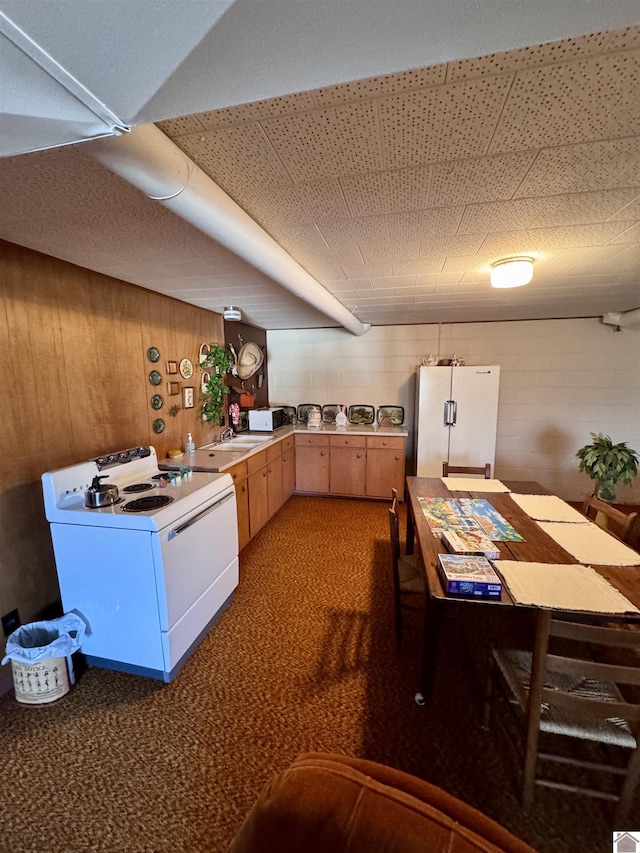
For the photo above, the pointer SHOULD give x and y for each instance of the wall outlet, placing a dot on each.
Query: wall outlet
(10, 621)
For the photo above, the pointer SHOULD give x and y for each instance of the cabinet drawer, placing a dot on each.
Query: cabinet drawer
(306, 439)
(238, 472)
(348, 441)
(256, 462)
(288, 442)
(274, 451)
(386, 442)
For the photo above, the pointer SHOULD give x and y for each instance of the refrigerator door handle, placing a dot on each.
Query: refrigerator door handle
(450, 412)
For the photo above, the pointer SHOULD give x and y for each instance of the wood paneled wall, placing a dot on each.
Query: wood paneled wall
(73, 350)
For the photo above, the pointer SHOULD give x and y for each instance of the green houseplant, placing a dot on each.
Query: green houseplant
(217, 362)
(608, 464)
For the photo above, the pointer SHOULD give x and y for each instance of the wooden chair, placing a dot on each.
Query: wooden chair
(578, 690)
(408, 576)
(618, 523)
(484, 470)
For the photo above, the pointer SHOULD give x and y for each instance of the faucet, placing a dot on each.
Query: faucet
(227, 434)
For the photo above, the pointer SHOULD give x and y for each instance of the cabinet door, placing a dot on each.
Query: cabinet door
(242, 503)
(274, 485)
(385, 467)
(258, 500)
(348, 471)
(288, 473)
(312, 469)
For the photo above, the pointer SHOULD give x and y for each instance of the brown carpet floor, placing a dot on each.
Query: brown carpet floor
(304, 659)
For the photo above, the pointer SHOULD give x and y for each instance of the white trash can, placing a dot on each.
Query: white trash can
(40, 655)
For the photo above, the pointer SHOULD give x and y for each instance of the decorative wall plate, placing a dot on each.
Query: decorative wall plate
(156, 401)
(155, 378)
(158, 425)
(361, 414)
(186, 368)
(395, 413)
(305, 408)
(329, 413)
(153, 354)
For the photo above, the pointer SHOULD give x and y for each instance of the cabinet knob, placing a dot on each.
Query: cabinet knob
(244, 488)
(235, 476)
(323, 453)
(358, 455)
(384, 443)
(397, 456)
(264, 473)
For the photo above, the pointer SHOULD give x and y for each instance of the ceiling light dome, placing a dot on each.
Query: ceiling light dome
(232, 313)
(511, 272)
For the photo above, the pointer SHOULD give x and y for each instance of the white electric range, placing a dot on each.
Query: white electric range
(150, 574)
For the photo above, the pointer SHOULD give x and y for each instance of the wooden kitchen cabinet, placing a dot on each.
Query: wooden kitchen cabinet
(274, 478)
(312, 463)
(348, 465)
(239, 476)
(258, 492)
(288, 467)
(385, 466)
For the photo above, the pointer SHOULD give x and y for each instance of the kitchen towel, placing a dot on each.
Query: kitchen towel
(589, 543)
(548, 508)
(469, 484)
(562, 587)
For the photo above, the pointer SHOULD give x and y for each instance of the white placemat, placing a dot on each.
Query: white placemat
(562, 587)
(548, 508)
(589, 543)
(468, 484)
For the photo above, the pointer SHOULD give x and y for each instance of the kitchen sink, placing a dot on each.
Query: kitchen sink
(240, 444)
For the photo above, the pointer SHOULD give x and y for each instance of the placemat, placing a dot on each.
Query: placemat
(548, 508)
(562, 587)
(469, 484)
(589, 543)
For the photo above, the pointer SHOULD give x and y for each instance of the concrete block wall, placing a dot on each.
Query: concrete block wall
(560, 380)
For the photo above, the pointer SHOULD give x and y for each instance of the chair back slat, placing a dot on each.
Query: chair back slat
(598, 707)
(622, 522)
(598, 670)
(482, 470)
(628, 637)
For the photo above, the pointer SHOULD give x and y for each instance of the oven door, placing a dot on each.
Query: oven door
(197, 570)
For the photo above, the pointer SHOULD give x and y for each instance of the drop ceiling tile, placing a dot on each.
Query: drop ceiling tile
(362, 230)
(590, 166)
(295, 204)
(442, 123)
(257, 110)
(465, 244)
(326, 143)
(394, 252)
(499, 216)
(478, 179)
(387, 192)
(422, 266)
(434, 279)
(424, 224)
(571, 103)
(582, 208)
(175, 127)
(628, 235)
(539, 242)
(395, 281)
(629, 211)
(545, 54)
(373, 270)
(374, 87)
(236, 157)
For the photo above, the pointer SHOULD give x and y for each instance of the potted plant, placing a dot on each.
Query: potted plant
(608, 463)
(217, 361)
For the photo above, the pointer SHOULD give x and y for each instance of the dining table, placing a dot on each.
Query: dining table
(537, 547)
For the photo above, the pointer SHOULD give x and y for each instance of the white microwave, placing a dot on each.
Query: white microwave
(266, 420)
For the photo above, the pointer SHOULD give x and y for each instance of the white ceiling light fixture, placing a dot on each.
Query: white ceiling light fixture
(511, 272)
(231, 313)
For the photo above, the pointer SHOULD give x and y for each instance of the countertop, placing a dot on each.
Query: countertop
(209, 459)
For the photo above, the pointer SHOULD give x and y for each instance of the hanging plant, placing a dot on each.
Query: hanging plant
(217, 361)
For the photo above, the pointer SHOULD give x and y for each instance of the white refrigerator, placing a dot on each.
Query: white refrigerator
(456, 417)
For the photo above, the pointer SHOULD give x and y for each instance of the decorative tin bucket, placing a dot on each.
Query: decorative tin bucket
(44, 682)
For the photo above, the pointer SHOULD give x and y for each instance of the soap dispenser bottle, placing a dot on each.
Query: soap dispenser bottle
(190, 446)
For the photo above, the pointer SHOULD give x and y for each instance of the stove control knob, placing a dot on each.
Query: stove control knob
(101, 461)
(124, 455)
(133, 452)
(112, 458)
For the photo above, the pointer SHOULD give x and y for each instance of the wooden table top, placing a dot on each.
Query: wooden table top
(538, 547)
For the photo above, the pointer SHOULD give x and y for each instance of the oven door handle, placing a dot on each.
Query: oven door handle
(178, 530)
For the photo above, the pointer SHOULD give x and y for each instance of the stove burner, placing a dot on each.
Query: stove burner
(147, 503)
(138, 487)
(163, 475)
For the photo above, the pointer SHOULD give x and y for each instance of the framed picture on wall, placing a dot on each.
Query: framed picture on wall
(172, 367)
(187, 397)
(173, 388)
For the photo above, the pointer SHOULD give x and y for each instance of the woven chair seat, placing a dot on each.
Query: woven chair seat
(515, 666)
